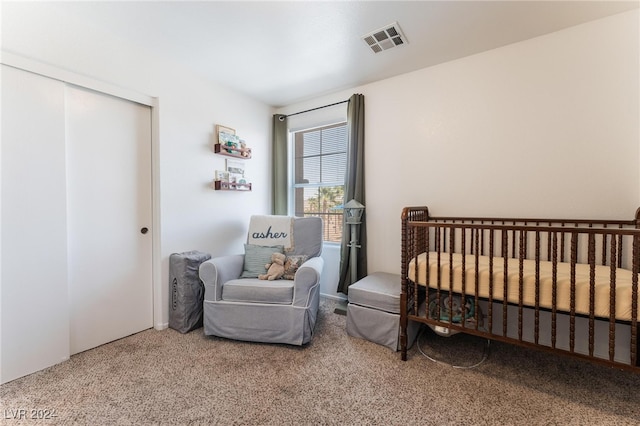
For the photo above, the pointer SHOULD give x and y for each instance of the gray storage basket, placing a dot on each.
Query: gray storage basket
(186, 290)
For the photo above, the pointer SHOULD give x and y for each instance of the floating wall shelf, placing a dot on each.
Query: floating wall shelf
(232, 151)
(219, 185)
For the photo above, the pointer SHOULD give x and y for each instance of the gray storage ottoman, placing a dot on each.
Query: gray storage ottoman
(373, 312)
(187, 291)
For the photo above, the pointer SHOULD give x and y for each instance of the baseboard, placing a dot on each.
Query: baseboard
(341, 308)
(162, 326)
(341, 297)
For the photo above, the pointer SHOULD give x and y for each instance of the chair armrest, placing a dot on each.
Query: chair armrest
(307, 278)
(217, 271)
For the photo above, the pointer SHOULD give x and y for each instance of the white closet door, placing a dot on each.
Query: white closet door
(33, 262)
(109, 206)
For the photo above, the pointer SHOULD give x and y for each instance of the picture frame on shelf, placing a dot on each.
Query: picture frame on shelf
(228, 139)
(235, 169)
(222, 175)
(224, 129)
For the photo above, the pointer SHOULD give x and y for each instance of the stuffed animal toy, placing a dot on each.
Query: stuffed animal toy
(275, 269)
(291, 266)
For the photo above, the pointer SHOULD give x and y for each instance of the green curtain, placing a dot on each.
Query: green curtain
(280, 166)
(354, 190)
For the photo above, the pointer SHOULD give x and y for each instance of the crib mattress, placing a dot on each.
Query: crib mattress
(623, 282)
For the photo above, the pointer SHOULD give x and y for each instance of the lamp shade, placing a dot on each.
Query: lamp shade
(353, 212)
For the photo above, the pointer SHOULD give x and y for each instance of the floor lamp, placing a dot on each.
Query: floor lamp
(353, 214)
(353, 211)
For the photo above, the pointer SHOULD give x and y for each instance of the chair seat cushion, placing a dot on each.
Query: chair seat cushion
(253, 290)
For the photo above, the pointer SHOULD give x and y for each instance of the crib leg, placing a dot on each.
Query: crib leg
(403, 337)
(404, 321)
(637, 346)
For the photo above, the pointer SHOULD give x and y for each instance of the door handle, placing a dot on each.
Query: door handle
(144, 230)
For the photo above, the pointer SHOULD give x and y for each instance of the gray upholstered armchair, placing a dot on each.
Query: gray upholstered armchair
(238, 305)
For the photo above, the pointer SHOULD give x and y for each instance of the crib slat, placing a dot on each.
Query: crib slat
(451, 274)
(427, 250)
(536, 330)
(572, 305)
(554, 291)
(635, 346)
(477, 279)
(505, 275)
(620, 249)
(490, 313)
(604, 247)
(592, 291)
(549, 245)
(562, 245)
(612, 300)
(417, 269)
(463, 248)
(439, 274)
(520, 284)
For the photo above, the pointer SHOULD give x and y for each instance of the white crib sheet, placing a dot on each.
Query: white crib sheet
(623, 282)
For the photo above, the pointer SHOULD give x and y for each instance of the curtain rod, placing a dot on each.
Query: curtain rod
(313, 109)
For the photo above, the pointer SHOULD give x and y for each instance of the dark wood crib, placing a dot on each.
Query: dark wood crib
(568, 286)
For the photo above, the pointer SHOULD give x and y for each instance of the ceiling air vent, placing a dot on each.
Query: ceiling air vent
(385, 38)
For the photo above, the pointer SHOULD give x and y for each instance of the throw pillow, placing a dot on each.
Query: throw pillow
(291, 265)
(255, 259)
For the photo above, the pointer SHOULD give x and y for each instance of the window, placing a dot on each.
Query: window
(320, 160)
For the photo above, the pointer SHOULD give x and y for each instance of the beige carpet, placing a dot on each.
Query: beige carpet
(164, 377)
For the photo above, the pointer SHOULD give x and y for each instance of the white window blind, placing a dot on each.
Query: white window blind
(320, 161)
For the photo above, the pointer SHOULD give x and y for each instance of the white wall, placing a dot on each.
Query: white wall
(192, 216)
(546, 127)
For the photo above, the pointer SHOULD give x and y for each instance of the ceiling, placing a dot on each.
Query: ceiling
(283, 52)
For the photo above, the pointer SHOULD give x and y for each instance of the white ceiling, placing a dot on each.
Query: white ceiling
(282, 52)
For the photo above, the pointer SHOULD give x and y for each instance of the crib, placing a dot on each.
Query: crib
(561, 285)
